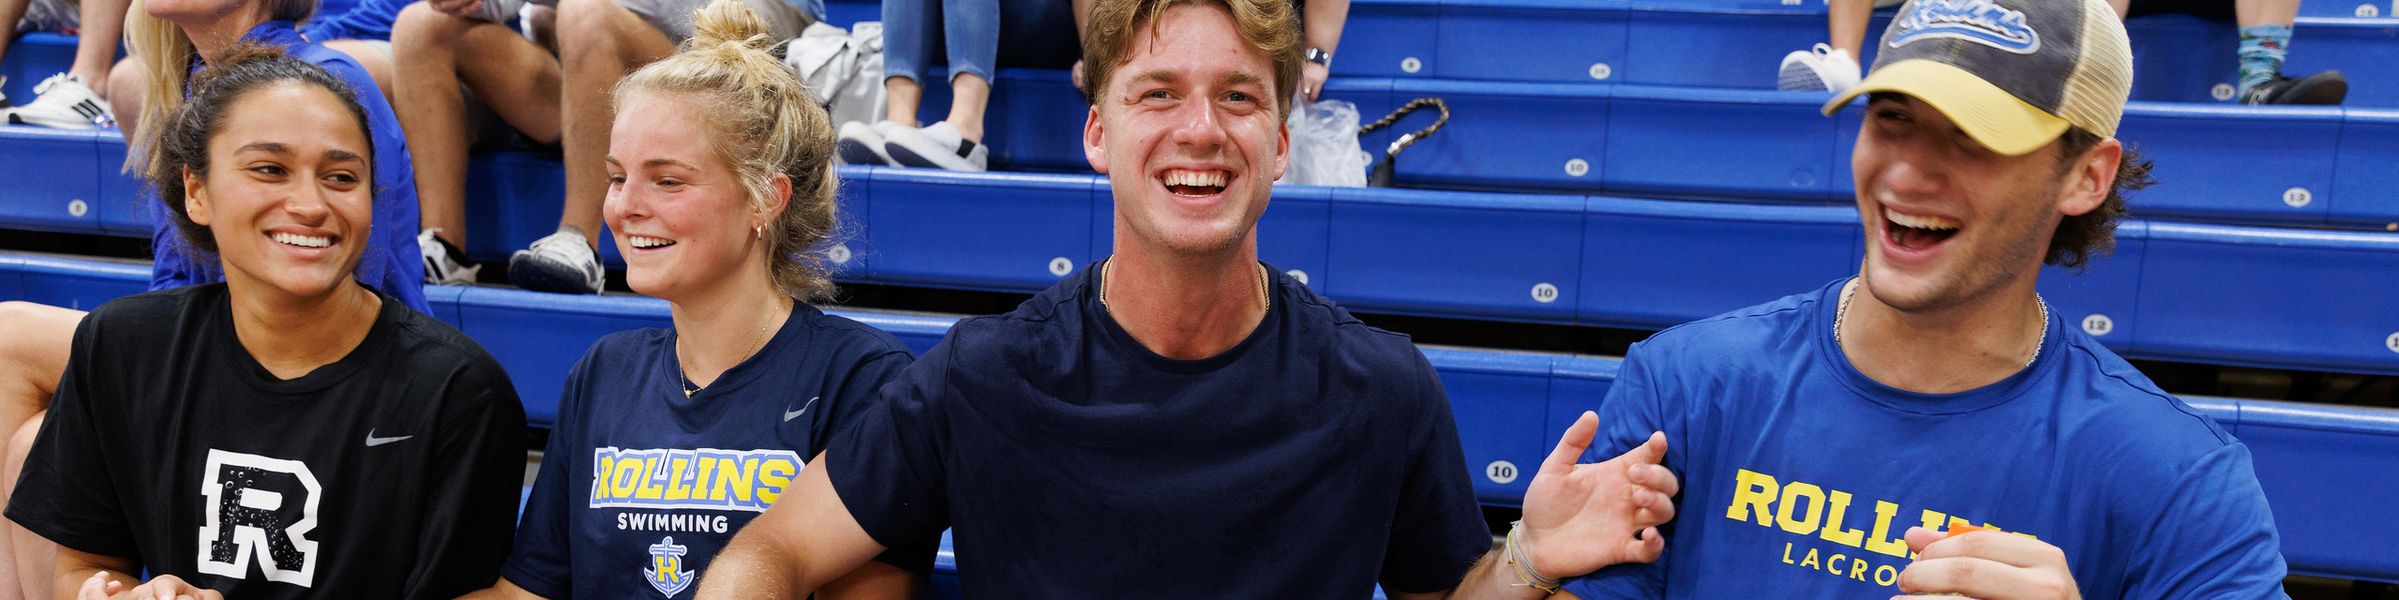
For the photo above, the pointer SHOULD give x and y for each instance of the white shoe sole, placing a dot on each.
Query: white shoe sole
(860, 145)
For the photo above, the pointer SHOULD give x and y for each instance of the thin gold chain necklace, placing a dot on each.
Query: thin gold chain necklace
(756, 344)
(1108, 270)
(1841, 313)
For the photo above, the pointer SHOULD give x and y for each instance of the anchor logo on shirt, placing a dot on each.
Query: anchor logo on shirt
(666, 567)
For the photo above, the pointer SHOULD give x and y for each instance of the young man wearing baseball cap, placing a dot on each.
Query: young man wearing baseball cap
(1837, 443)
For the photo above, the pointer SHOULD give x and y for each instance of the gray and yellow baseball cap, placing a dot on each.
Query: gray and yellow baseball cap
(2014, 74)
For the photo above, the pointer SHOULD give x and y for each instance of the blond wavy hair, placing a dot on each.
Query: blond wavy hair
(1269, 27)
(166, 53)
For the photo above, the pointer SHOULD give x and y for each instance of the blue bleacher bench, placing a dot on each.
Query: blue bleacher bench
(1559, 259)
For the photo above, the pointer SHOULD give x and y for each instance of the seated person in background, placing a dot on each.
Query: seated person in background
(1830, 437)
(1320, 28)
(76, 99)
(211, 435)
(362, 33)
(750, 383)
(2265, 34)
(1183, 420)
(980, 37)
(34, 354)
(447, 49)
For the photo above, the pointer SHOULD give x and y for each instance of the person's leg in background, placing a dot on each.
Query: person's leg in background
(1832, 66)
(2265, 37)
(908, 41)
(12, 22)
(101, 28)
(981, 36)
(971, 39)
(520, 81)
(76, 99)
(599, 42)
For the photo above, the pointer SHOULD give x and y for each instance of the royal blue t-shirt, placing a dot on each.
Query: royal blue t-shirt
(1800, 475)
(1312, 460)
(641, 487)
(391, 263)
(366, 20)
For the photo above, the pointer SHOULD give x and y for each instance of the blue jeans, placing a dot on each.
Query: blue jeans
(979, 35)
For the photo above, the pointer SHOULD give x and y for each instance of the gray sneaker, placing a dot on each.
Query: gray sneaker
(935, 147)
(560, 263)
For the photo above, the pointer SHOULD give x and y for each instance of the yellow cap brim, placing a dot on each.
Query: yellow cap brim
(1990, 115)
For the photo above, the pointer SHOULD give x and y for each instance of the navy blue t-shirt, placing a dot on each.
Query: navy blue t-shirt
(1314, 459)
(1801, 475)
(641, 487)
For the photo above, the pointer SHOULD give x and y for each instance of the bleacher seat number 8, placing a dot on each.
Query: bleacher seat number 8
(2392, 342)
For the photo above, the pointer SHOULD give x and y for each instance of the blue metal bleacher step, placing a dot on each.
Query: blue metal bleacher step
(1562, 259)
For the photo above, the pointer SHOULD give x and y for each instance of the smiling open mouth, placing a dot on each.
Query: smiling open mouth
(1195, 183)
(1917, 232)
(643, 242)
(302, 241)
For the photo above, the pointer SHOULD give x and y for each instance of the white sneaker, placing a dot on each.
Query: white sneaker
(560, 263)
(63, 102)
(439, 268)
(862, 144)
(936, 147)
(1818, 69)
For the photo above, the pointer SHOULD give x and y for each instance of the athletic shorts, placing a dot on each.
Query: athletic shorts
(52, 16)
(671, 17)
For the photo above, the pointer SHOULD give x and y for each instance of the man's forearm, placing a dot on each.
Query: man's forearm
(752, 567)
(1492, 580)
(1488, 580)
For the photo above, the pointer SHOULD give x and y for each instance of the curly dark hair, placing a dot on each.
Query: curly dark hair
(2080, 237)
(183, 143)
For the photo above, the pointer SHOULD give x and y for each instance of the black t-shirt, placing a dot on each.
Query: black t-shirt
(392, 472)
(1312, 460)
(642, 486)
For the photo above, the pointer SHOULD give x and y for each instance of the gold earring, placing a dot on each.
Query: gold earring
(759, 231)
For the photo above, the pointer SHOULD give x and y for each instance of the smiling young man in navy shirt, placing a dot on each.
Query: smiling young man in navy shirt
(1181, 420)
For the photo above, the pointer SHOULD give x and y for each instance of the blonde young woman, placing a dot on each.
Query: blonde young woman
(720, 196)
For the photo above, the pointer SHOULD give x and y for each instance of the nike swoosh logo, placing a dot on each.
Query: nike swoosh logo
(794, 414)
(373, 441)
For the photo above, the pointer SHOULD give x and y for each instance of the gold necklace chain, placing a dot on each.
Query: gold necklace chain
(1108, 270)
(1841, 313)
(756, 344)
